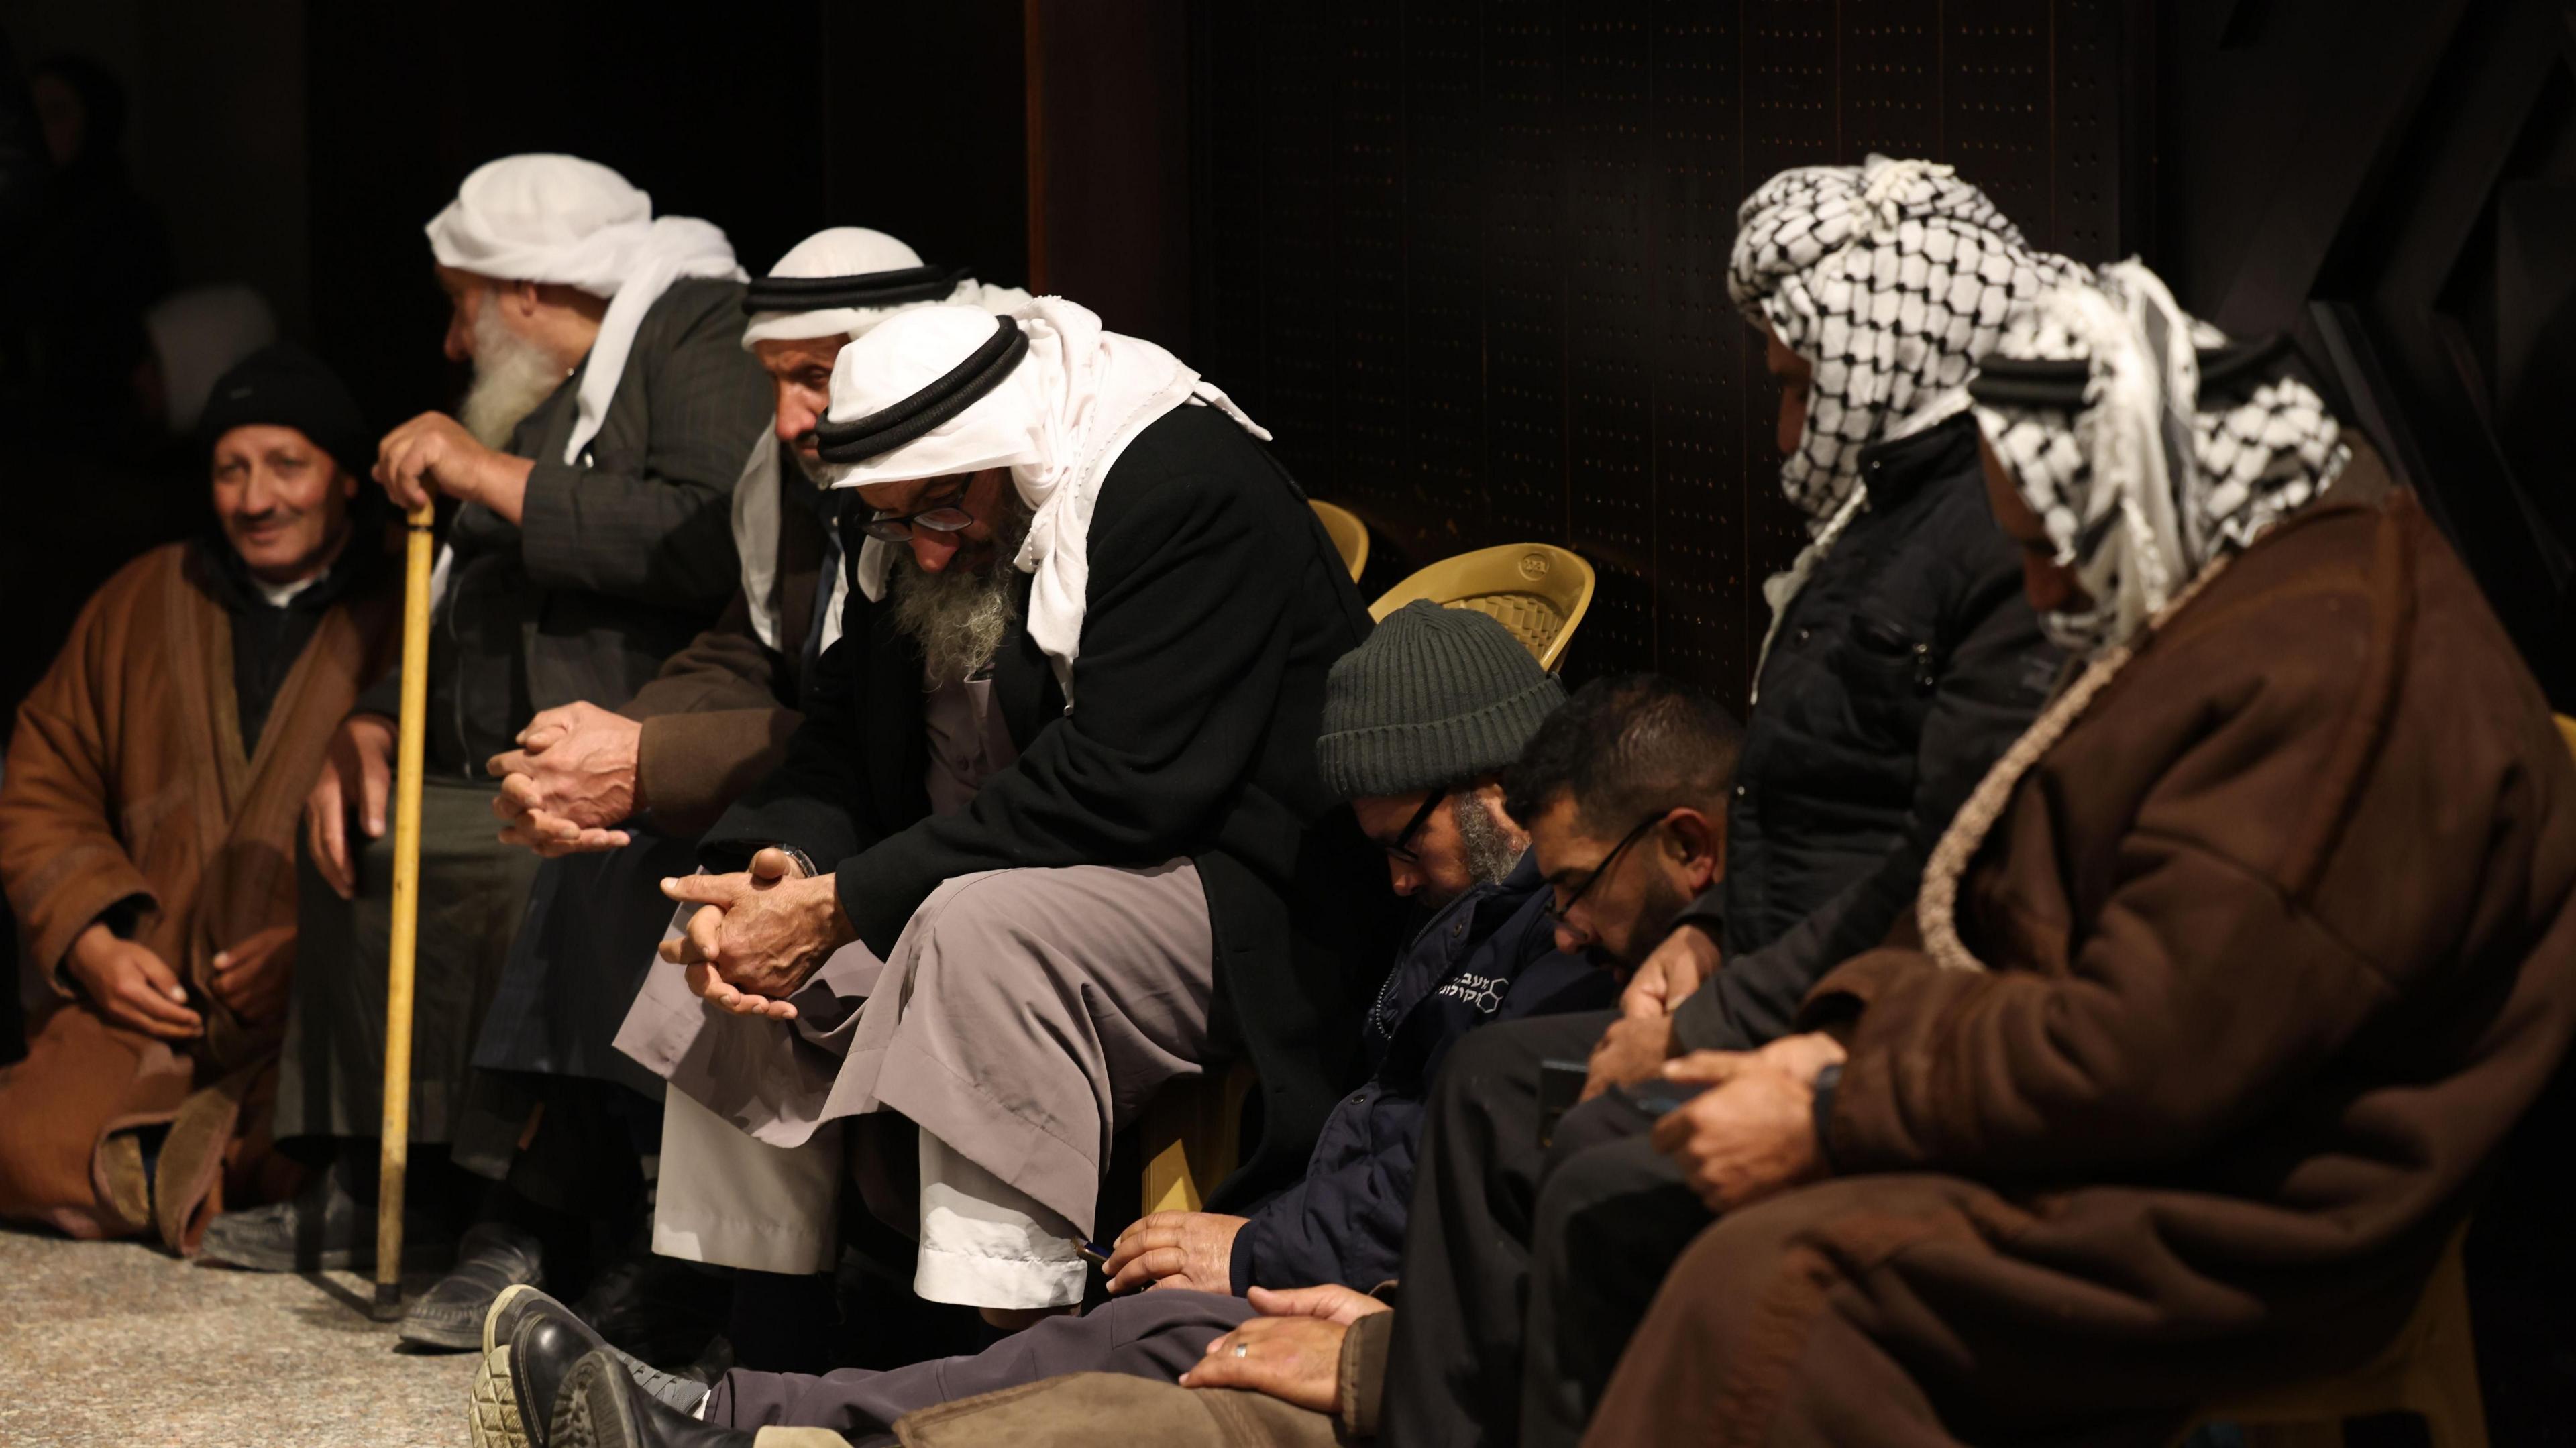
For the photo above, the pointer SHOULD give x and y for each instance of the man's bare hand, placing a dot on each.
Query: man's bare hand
(251, 978)
(131, 986)
(1294, 1354)
(1687, 957)
(1193, 1250)
(433, 453)
(1753, 1133)
(572, 776)
(759, 935)
(357, 773)
(1632, 1050)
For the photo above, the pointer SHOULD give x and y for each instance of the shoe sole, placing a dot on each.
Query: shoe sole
(496, 1422)
(597, 1411)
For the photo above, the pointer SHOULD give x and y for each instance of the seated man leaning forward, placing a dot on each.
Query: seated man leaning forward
(616, 799)
(147, 829)
(2230, 979)
(1082, 829)
(1418, 723)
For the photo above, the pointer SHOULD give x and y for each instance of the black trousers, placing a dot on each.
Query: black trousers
(1526, 1268)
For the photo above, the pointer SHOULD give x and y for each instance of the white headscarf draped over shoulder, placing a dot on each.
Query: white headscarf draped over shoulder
(576, 223)
(1058, 420)
(2142, 481)
(854, 254)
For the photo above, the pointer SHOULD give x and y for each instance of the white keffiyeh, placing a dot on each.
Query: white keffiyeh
(1888, 278)
(576, 223)
(1058, 421)
(840, 251)
(852, 251)
(2149, 484)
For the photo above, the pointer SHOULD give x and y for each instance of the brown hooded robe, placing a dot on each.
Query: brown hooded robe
(127, 784)
(2280, 941)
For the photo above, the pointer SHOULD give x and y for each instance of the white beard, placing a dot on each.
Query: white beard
(512, 376)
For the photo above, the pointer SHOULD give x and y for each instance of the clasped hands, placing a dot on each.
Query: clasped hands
(571, 778)
(757, 935)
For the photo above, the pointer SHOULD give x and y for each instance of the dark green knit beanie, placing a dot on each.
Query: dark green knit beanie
(1436, 695)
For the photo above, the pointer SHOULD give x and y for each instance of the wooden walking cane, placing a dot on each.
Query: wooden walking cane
(417, 562)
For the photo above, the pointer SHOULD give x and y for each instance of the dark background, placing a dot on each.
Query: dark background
(1465, 257)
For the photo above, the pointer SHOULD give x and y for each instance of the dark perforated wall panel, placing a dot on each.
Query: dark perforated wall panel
(1467, 260)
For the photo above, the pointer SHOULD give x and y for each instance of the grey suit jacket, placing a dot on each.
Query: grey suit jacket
(617, 560)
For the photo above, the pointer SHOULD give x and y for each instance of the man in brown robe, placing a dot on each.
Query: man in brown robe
(2228, 983)
(147, 823)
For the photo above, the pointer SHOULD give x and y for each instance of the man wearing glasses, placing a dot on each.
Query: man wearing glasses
(1021, 869)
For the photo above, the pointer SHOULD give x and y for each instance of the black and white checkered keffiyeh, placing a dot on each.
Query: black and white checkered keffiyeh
(2149, 483)
(1889, 278)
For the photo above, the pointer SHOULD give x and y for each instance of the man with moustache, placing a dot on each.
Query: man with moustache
(589, 472)
(1069, 764)
(615, 799)
(1420, 728)
(147, 827)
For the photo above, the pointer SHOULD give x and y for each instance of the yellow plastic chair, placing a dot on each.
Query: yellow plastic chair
(1537, 590)
(1193, 1130)
(1349, 535)
(2430, 1370)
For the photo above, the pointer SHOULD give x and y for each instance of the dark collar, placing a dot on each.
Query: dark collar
(229, 580)
(1895, 471)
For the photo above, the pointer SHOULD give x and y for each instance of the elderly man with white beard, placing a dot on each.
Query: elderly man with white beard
(616, 799)
(585, 540)
(1096, 859)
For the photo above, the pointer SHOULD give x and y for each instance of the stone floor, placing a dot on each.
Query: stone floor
(112, 1343)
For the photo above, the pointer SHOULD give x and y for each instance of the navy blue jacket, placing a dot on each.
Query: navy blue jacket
(1490, 956)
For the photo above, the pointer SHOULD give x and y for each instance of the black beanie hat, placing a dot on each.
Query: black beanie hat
(282, 385)
(1434, 696)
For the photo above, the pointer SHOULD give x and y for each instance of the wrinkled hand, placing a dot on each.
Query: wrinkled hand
(571, 777)
(357, 772)
(1193, 1250)
(131, 986)
(251, 978)
(1632, 1050)
(1687, 957)
(1753, 1133)
(434, 453)
(760, 934)
(1294, 1353)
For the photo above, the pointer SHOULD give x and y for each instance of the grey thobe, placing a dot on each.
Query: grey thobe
(1024, 1017)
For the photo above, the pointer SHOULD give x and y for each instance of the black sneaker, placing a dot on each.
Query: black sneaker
(320, 1229)
(530, 1344)
(491, 1258)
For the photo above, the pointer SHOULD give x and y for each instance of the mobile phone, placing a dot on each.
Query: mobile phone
(1093, 1253)
(1560, 1085)
(1659, 1098)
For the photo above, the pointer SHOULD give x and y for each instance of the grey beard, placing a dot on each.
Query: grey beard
(511, 377)
(1488, 850)
(959, 618)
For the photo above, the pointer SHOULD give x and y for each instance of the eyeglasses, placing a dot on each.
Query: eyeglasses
(1402, 849)
(947, 517)
(1560, 909)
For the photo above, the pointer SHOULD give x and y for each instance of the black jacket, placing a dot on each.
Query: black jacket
(1216, 605)
(1907, 663)
(1490, 956)
(614, 563)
